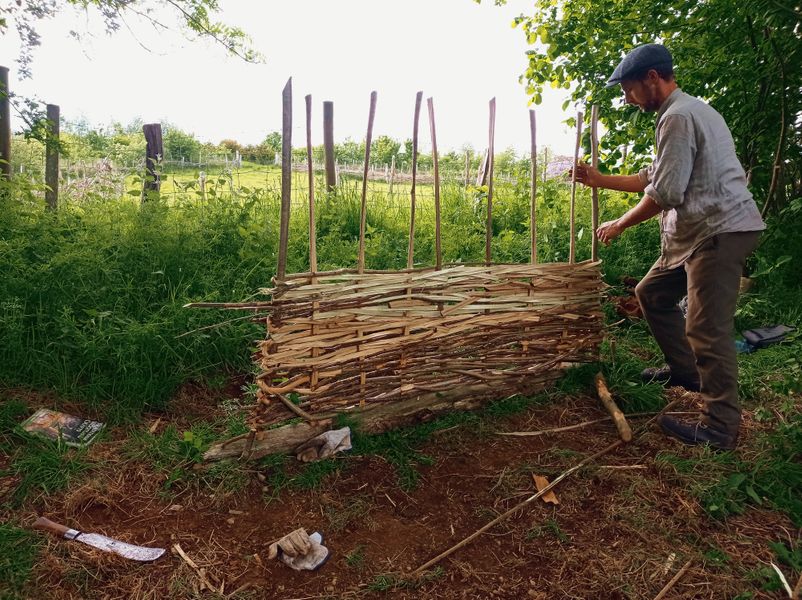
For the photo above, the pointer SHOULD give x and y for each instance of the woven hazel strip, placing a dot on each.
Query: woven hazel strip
(342, 340)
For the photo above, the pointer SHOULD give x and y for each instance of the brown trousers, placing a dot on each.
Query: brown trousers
(701, 347)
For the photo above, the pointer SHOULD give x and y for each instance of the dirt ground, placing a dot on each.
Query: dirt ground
(622, 529)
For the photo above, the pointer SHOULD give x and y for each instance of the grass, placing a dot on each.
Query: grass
(45, 467)
(728, 483)
(18, 551)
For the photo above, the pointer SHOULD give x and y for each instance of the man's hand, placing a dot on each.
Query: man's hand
(608, 231)
(585, 174)
(293, 544)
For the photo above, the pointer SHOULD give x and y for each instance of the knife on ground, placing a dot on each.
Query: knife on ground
(101, 542)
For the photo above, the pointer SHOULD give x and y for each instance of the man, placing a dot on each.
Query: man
(709, 224)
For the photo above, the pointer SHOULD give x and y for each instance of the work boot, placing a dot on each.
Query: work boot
(696, 433)
(663, 375)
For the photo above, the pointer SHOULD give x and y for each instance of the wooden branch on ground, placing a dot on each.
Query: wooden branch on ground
(674, 580)
(607, 399)
(419, 571)
(198, 571)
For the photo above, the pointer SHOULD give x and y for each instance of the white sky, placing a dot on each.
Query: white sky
(456, 51)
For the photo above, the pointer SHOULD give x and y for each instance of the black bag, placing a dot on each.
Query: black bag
(766, 336)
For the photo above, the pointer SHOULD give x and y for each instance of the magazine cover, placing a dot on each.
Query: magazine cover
(73, 431)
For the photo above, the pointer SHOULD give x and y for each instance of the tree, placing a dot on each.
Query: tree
(743, 57)
(383, 149)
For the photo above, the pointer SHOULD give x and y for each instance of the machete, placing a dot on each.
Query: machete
(100, 542)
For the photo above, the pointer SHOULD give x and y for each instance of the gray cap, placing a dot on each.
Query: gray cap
(640, 60)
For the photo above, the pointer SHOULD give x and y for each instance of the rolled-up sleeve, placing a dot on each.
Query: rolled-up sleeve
(670, 173)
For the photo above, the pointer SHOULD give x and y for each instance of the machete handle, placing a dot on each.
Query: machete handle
(48, 525)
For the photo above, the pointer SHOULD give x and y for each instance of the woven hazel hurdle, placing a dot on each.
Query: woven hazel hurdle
(391, 347)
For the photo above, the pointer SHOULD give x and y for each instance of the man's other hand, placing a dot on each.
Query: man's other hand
(585, 174)
(608, 231)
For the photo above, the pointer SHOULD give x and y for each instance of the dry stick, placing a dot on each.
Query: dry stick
(607, 399)
(490, 160)
(286, 178)
(580, 425)
(205, 582)
(411, 245)
(297, 409)
(594, 192)
(363, 211)
(416, 120)
(572, 246)
(528, 501)
(312, 232)
(362, 225)
(437, 249)
(674, 580)
(533, 195)
(312, 229)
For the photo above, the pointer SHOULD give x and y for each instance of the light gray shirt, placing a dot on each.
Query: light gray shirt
(696, 179)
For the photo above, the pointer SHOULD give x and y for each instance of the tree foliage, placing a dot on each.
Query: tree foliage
(743, 57)
(195, 17)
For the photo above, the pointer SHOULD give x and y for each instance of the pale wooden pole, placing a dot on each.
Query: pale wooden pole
(572, 246)
(437, 248)
(311, 174)
(363, 215)
(490, 161)
(416, 121)
(5, 124)
(286, 178)
(533, 193)
(328, 145)
(52, 156)
(594, 192)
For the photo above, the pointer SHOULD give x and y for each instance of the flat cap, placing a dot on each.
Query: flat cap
(640, 60)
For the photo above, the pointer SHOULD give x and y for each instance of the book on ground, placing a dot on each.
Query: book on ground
(73, 431)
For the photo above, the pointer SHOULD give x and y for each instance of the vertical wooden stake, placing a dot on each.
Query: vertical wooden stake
(594, 192)
(467, 168)
(286, 178)
(5, 125)
(312, 231)
(572, 246)
(51, 157)
(437, 248)
(533, 195)
(363, 215)
(392, 173)
(490, 161)
(328, 145)
(416, 120)
(154, 152)
(311, 174)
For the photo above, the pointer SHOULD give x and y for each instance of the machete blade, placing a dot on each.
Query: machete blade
(101, 542)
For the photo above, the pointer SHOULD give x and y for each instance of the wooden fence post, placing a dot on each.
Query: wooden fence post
(533, 198)
(5, 125)
(312, 233)
(328, 145)
(153, 154)
(392, 173)
(286, 178)
(435, 164)
(415, 121)
(51, 157)
(572, 246)
(490, 161)
(363, 215)
(594, 197)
